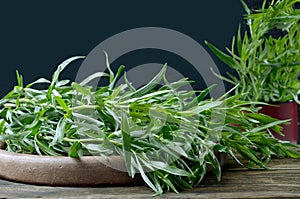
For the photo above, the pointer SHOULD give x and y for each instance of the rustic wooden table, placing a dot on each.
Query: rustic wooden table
(282, 181)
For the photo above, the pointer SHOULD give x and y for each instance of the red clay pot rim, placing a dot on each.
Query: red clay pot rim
(278, 103)
(64, 171)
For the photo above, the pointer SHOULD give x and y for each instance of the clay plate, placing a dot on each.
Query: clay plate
(64, 171)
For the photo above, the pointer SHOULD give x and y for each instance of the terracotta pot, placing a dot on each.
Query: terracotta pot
(283, 111)
(64, 171)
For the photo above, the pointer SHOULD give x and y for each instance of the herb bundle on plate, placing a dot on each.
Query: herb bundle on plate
(167, 134)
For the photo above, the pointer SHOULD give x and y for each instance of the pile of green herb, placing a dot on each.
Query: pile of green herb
(168, 135)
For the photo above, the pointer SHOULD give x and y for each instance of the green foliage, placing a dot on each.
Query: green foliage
(168, 135)
(268, 68)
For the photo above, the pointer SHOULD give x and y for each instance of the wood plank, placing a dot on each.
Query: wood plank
(282, 181)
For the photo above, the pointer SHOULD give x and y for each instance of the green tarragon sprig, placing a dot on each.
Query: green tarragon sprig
(172, 137)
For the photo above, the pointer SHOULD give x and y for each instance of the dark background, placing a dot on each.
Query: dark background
(35, 36)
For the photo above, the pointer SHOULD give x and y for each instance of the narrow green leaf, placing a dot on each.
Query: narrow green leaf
(148, 87)
(75, 150)
(246, 153)
(145, 178)
(199, 98)
(290, 153)
(268, 125)
(88, 119)
(156, 182)
(117, 91)
(200, 108)
(59, 69)
(46, 149)
(126, 140)
(132, 89)
(92, 77)
(81, 89)
(150, 95)
(111, 73)
(59, 132)
(245, 7)
(222, 56)
(39, 81)
(180, 183)
(215, 164)
(120, 70)
(239, 42)
(169, 168)
(19, 79)
(62, 103)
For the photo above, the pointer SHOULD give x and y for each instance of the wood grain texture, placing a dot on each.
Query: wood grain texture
(281, 181)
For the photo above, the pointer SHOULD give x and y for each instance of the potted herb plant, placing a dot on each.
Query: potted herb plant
(267, 66)
(166, 136)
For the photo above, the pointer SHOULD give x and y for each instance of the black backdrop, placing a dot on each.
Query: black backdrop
(35, 36)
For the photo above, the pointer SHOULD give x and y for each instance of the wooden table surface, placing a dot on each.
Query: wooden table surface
(282, 181)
